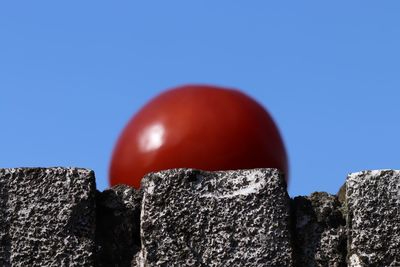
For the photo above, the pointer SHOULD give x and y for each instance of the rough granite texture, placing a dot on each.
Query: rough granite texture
(47, 217)
(320, 224)
(118, 225)
(232, 218)
(186, 217)
(373, 203)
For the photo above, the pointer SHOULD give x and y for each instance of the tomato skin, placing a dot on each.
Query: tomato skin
(197, 126)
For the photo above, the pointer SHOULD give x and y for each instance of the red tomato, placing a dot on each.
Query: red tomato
(197, 126)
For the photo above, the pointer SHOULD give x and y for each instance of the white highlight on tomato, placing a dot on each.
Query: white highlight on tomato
(152, 138)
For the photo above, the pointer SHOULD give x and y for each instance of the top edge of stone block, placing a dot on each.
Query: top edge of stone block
(231, 170)
(228, 181)
(56, 168)
(178, 170)
(375, 172)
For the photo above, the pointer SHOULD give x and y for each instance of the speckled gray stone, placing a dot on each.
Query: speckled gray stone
(5, 242)
(117, 225)
(231, 218)
(373, 203)
(47, 217)
(320, 231)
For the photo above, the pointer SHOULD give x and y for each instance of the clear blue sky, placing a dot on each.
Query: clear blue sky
(73, 72)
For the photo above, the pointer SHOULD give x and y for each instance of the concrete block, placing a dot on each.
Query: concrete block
(227, 218)
(47, 217)
(117, 225)
(373, 204)
(320, 231)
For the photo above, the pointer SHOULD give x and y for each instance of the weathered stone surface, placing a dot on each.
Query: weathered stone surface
(195, 218)
(373, 203)
(5, 242)
(118, 225)
(341, 194)
(320, 231)
(47, 217)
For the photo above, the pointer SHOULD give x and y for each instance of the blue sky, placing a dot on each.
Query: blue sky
(72, 73)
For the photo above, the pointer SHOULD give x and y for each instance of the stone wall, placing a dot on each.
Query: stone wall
(186, 217)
